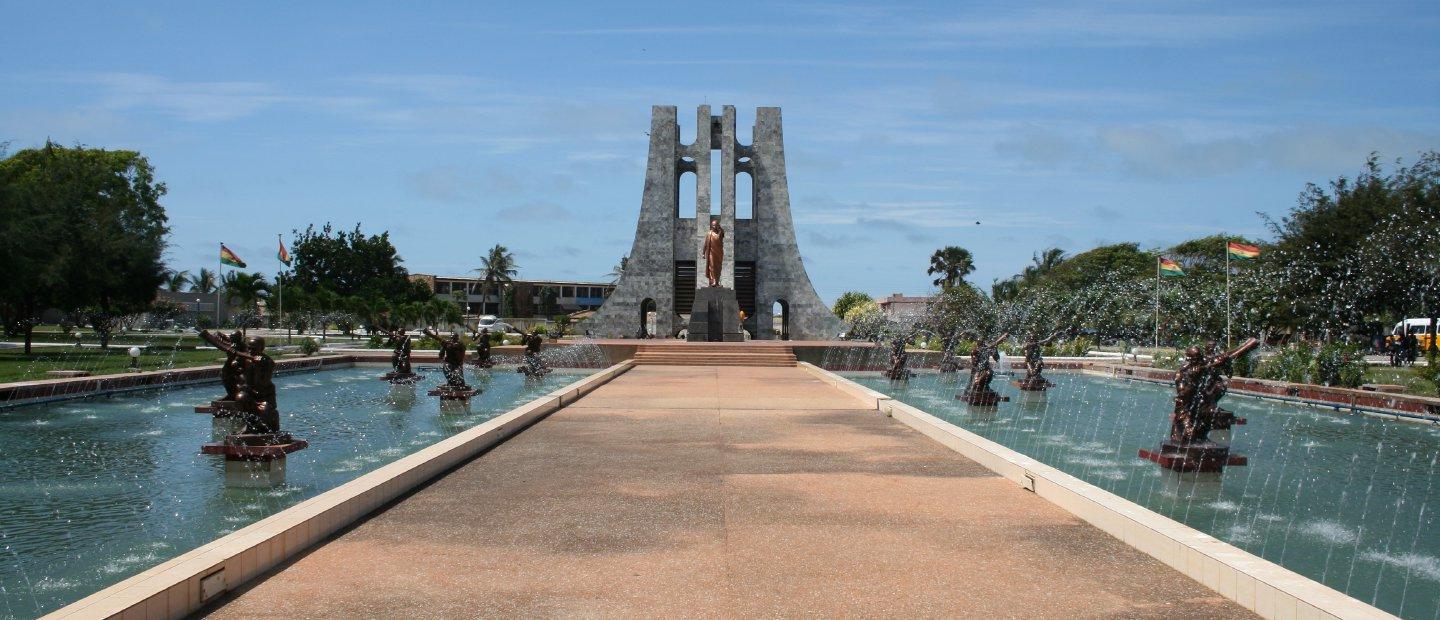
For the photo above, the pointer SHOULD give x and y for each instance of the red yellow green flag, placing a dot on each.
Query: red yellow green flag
(1170, 268)
(283, 255)
(1241, 250)
(229, 258)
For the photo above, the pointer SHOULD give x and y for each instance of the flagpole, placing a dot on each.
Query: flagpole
(1157, 302)
(1228, 341)
(219, 269)
(281, 278)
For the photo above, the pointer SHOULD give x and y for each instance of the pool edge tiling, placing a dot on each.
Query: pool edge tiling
(1259, 585)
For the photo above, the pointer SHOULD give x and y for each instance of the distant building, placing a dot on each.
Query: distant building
(196, 305)
(530, 295)
(897, 305)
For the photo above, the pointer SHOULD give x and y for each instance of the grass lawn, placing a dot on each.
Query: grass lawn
(16, 366)
(1408, 377)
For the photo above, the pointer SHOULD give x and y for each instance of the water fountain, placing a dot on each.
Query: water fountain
(898, 359)
(1199, 384)
(452, 359)
(255, 455)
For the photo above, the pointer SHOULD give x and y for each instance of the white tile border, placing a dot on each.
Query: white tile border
(1259, 585)
(172, 589)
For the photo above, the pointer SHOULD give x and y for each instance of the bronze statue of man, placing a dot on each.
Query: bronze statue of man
(452, 358)
(534, 365)
(482, 347)
(714, 253)
(982, 371)
(1034, 360)
(1197, 400)
(257, 397)
(232, 374)
(400, 358)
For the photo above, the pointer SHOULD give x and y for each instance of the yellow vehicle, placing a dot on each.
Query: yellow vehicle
(1419, 327)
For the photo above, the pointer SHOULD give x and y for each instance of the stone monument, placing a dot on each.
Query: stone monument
(759, 263)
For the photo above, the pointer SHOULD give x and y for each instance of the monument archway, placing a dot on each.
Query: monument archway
(647, 319)
(780, 319)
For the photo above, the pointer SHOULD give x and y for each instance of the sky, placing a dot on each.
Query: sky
(1001, 127)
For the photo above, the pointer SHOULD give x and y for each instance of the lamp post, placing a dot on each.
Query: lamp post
(134, 359)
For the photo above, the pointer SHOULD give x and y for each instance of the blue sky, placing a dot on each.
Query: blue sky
(460, 125)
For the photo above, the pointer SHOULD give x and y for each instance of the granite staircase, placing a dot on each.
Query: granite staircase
(714, 354)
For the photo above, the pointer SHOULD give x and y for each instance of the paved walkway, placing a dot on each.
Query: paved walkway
(723, 492)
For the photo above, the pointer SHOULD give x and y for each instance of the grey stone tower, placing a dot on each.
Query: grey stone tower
(762, 262)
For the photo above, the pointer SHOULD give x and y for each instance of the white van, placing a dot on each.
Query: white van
(1419, 327)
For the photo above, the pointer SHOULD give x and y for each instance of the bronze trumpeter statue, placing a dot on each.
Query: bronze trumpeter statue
(255, 399)
(982, 371)
(1200, 382)
(1034, 346)
(899, 357)
(482, 348)
(401, 371)
(533, 365)
(452, 363)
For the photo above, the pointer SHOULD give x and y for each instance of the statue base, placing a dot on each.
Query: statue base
(902, 374)
(982, 398)
(715, 317)
(1033, 384)
(222, 426)
(400, 378)
(221, 407)
(446, 392)
(1205, 457)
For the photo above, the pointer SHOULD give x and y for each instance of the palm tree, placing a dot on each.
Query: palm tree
(175, 281)
(1043, 263)
(246, 288)
(203, 282)
(497, 267)
(619, 270)
(953, 263)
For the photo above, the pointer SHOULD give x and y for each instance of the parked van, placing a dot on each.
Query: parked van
(1419, 327)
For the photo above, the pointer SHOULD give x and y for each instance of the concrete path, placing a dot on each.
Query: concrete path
(723, 492)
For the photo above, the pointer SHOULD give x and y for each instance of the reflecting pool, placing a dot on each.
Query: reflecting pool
(1347, 500)
(95, 490)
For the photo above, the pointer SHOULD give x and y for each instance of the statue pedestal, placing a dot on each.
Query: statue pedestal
(982, 398)
(255, 460)
(1194, 457)
(715, 317)
(400, 378)
(1032, 384)
(446, 392)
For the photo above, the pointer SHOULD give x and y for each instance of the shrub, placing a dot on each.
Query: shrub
(1244, 365)
(376, 341)
(1169, 359)
(309, 346)
(1075, 347)
(1291, 363)
(1339, 365)
(541, 330)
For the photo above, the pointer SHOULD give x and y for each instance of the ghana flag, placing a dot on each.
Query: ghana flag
(1241, 250)
(283, 255)
(229, 258)
(1170, 268)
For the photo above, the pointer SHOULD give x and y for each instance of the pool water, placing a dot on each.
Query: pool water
(95, 490)
(1347, 500)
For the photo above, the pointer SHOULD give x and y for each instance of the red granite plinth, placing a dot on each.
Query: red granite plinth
(982, 398)
(449, 393)
(221, 408)
(1038, 384)
(255, 447)
(1195, 457)
(400, 378)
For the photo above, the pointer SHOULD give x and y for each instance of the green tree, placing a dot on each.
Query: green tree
(245, 289)
(849, 300)
(1121, 262)
(176, 281)
(331, 266)
(96, 214)
(952, 263)
(204, 282)
(497, 268)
